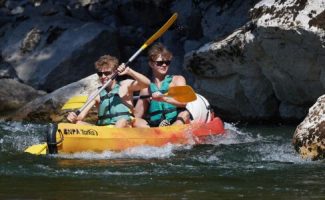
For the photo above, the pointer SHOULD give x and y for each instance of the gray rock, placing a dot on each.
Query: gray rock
(309, 137)
(48, 107)
(61, 51)
(14, 95)
(190, 45)
(17, 10)
(272, 64)
(7, 71)
(31, 40)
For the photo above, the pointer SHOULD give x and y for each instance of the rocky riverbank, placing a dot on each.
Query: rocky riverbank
(253, 60)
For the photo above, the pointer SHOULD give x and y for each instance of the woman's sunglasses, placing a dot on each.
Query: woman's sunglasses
(160, 63)
(107, 73)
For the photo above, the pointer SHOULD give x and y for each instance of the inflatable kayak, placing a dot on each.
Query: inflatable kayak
(71, 138)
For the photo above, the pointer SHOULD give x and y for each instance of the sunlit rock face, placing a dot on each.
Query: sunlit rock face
(273, 67)
(309, 137)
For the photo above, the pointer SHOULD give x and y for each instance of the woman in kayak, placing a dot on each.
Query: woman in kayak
(115, 103)
(161, 110)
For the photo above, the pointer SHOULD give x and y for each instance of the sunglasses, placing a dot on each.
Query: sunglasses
(107, 73)
(160, 63)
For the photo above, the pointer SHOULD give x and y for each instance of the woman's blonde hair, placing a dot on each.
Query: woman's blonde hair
(159, 49)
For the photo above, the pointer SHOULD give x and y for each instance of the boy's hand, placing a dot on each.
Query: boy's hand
(72, 117)
(123, 70)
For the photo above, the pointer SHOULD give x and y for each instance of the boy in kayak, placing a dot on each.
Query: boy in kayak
(161, 110)
(115, 103)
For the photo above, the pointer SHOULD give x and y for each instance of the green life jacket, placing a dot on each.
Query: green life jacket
(159, 111)
(112, 107)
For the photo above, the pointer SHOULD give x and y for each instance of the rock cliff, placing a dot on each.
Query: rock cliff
(251, 59)
(272, 67)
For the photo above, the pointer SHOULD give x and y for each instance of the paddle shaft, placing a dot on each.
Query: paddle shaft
(134, 98)
(155, 36)
(141, 97)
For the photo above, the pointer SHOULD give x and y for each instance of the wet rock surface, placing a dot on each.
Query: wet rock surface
(309, 137)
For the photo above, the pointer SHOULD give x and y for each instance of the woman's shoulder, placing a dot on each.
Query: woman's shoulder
(178, 79)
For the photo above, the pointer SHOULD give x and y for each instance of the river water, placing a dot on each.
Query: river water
(248, 162)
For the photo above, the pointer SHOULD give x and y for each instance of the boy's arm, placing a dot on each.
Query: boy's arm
(140, 81)
(84, 113)
(73, 118)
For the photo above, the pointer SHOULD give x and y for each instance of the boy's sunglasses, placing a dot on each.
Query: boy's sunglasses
(160, 63)
(107, 73)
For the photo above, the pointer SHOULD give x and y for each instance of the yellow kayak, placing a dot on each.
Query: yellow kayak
(71, 138)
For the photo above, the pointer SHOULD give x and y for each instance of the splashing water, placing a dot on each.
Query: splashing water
(256, 162)
(17, 136)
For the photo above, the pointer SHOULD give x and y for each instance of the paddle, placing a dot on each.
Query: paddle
(182, 94)
(37, 149)
(155, 36)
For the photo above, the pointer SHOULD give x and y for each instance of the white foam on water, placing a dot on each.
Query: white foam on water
(280, 152)
(14, 127)
(100, 173)
(140, 152)
(273, 149)
(17, 136)
(253, 151)
(117, 173)
(232, 136)
(19, 142)
(209, 159)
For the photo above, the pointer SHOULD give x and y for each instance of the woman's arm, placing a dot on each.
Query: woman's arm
(142, 105)
(177, 81)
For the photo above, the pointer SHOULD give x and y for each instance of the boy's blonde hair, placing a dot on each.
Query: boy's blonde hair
(106, 61)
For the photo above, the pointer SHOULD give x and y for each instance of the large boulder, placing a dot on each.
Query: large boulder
(14, 95)
(270, 68)
(7, 70)
(48, 107)
(309, 137)
(51, 52)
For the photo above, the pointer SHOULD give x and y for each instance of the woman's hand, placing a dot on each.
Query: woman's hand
(157, 96)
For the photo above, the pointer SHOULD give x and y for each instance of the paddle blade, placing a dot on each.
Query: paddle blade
(75, 102)
(182, 93)
(37, 149)
(78, 99)
(161, 31)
